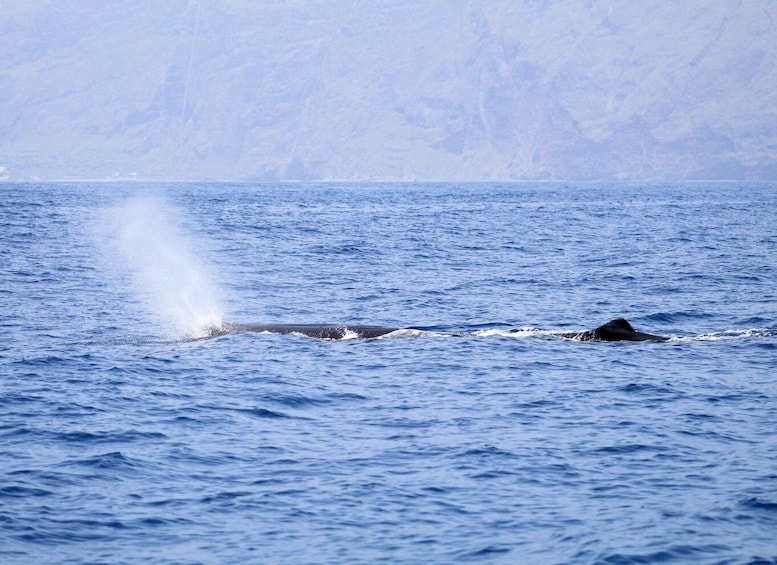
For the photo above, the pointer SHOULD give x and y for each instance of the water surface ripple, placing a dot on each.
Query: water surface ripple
(122, 440)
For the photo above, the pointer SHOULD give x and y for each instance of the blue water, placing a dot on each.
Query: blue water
(126, 436)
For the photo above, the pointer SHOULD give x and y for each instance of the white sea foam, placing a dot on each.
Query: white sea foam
(350, 334)
(411, 332)
(732, 334)
(170, 279)
(514, 333)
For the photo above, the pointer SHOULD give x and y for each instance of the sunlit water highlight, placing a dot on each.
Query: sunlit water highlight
(124, 440)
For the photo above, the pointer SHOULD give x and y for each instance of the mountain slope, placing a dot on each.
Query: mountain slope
(469, 90)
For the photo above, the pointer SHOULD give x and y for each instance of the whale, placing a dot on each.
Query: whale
(618, 329)
(320, 331)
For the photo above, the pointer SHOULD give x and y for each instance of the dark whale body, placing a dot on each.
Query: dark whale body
(614, 330)
(320, 331)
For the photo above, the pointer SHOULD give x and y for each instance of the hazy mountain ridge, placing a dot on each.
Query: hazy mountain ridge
(389, 90)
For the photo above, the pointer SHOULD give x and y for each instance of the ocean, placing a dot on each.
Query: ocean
(129, 434)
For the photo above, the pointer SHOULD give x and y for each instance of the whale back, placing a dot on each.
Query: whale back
(620, 329)
(617, 325)
(321, 331)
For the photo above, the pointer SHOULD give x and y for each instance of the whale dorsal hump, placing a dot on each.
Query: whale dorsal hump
(618, 324)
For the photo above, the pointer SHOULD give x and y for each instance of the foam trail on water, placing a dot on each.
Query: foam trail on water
(170, 279)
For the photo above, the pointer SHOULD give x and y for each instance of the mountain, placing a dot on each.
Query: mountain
(394, 90)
